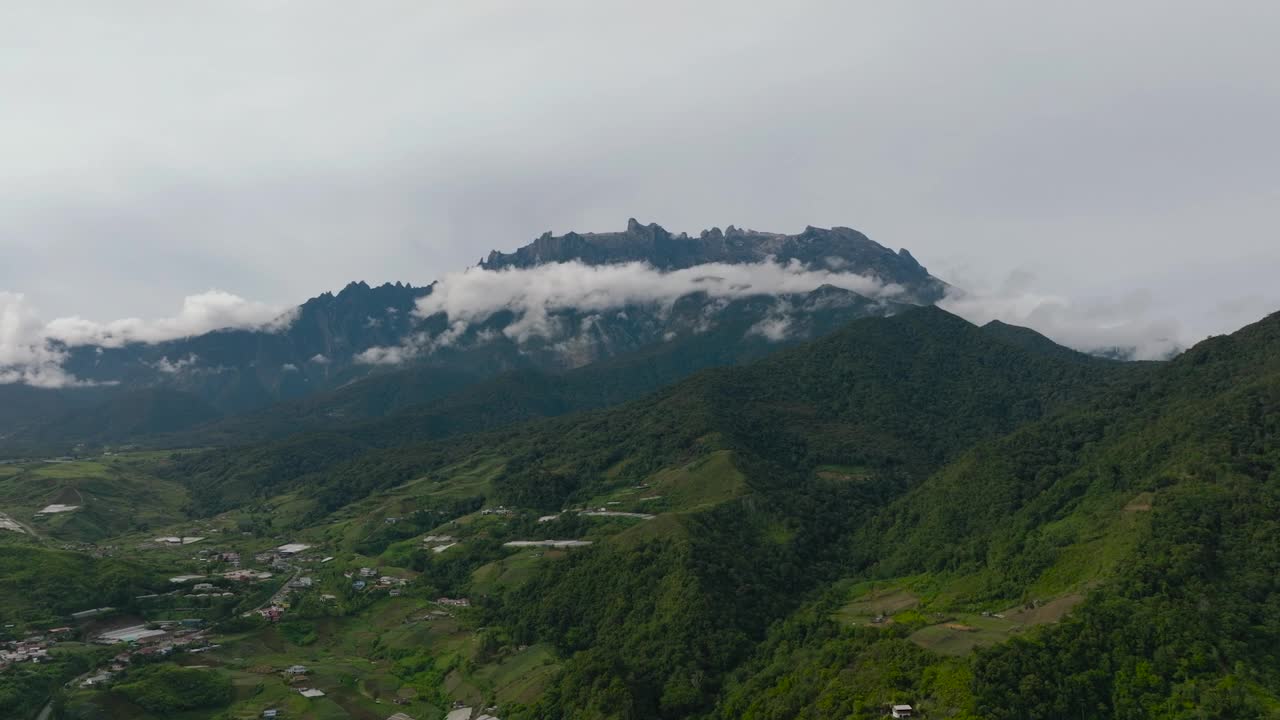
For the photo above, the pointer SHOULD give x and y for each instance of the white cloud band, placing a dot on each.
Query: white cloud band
(31, 351)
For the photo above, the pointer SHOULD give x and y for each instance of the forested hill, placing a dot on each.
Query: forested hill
(1160, 504)
(897, 394)
(824, 434)
(912, 508)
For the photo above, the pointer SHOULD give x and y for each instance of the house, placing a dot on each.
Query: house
(400, 716)
(98, 679)
(270, 714)
(394, 592)
(296, 670)
(358, 585)
(368, 572)
(246, 575)
(311, 693)
(454, 602)
(301, 583)
(901, 711)
(202, 586)
(292, 548)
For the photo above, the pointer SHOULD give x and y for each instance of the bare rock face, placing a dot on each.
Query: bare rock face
(837, 248)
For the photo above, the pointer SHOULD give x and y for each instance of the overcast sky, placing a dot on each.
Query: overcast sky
(1118, 160)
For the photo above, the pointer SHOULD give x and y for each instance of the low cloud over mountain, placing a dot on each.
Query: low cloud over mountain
(534, 294)
(32, 351)
(1127, 326)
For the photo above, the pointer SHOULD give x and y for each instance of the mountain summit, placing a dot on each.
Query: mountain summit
(837, 248)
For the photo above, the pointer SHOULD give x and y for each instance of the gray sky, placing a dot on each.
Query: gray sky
(1118, 161)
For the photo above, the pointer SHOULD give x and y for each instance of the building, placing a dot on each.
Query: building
(454, 602)
(86, 614)
(292, 548)
(400, 716)
(311, 693)
(296, 670)
(96, 680)
(901, 711)
(245, 575)
(270, 714)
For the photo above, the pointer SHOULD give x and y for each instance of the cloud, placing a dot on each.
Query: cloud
(32, 351)
(775, 326)
(25, 356)
(174, 367)
(202, 313)
(532, 294)
(535, 294)
(1128, 325)
(415, 345)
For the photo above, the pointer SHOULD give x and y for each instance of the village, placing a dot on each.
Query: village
(221, 582)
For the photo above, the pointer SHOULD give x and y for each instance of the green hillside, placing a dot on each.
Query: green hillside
(1158, 505)
(912, 509)
(898, 395)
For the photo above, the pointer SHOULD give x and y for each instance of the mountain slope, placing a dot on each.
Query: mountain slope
(1159, 503)
(674, 605)
(426, 402)
(881, 392)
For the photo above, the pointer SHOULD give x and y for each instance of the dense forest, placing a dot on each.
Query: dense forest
(981, 468)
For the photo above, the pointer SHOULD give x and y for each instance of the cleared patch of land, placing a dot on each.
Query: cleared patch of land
(878, 602)
(963, 632)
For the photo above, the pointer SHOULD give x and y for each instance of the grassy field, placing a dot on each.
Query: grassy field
(512, 571)
(875, 602)
(115, 495)
(471, 478)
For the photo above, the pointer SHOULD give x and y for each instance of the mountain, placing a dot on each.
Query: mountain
(971, 520)
(421, 402)
(316, 358)
(838, 248)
